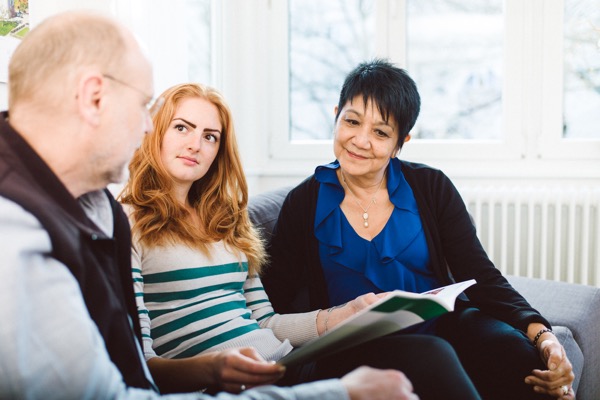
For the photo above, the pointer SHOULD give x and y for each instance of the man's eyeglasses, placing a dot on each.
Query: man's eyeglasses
(152, 106)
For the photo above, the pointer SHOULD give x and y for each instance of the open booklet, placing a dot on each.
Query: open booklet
(392, 313)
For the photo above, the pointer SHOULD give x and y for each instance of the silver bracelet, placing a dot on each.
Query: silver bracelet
(329, 310)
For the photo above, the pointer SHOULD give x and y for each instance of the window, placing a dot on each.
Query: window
(568, 91)
(455, 54)
(455, 51)
(490, 74)
(581, 70)
(326, 40)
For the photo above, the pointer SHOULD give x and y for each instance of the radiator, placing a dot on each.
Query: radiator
(543, 232)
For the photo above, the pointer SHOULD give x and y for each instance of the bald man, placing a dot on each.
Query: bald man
(80, 98)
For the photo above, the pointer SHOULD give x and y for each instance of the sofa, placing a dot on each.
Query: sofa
(573, 310)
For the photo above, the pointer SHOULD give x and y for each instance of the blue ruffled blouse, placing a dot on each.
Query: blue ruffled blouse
(397, 258)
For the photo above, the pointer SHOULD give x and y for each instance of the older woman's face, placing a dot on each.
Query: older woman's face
(363, 142)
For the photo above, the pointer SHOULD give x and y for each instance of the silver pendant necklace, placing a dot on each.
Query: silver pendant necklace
(373, 199)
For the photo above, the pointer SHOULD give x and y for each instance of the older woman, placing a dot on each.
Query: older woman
(369, 222)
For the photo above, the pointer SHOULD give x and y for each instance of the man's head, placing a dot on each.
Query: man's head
(78, 89)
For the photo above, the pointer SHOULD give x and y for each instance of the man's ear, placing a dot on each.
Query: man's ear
(90, 91)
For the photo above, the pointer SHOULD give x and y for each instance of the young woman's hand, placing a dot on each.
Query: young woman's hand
(232, 370)
(235, 370)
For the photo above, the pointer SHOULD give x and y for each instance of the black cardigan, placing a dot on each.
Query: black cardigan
(295, 282)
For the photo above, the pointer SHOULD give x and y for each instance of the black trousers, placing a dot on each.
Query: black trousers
(429, 362)
(445, 358)
(496, 356)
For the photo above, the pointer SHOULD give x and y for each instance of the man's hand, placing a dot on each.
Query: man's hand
(375, 384)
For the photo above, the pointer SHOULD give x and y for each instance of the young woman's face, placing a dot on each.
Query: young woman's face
(363, 141)
(191, 142)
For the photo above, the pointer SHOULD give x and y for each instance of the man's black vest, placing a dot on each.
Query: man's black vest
(101, 265)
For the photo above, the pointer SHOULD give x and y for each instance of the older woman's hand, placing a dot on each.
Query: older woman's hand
(557, 379)
(327, 319)
(363, 301)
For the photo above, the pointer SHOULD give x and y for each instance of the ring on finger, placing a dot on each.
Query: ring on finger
(243, 387)
(565, 389)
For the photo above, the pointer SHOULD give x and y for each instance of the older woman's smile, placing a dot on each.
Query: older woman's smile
(357, 156)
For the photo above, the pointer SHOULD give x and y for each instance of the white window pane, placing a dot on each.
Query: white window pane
(327, 40)
(198, 24)
(455, 55)
(582, 69)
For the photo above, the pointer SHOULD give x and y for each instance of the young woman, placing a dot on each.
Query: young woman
(206, 319)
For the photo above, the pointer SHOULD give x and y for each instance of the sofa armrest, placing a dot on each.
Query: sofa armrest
(576, 307)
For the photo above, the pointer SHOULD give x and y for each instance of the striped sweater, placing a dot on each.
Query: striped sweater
(189, 303)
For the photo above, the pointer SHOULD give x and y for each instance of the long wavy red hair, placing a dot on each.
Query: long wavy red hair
(220, 198)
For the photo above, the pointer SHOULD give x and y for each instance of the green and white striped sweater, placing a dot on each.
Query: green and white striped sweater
(189, 304)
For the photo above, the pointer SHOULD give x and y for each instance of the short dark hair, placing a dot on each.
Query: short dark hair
(389, 87)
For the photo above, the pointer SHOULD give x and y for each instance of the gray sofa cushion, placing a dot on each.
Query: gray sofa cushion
(264, 210)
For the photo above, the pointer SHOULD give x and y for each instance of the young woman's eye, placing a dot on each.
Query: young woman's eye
(351, 121)
(211, 138)
(381, 133)
(181, 128)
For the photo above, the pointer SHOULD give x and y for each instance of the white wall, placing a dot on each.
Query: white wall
(41, 9)
(167, 55)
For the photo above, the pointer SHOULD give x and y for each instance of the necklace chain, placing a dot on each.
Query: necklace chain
(355, 197)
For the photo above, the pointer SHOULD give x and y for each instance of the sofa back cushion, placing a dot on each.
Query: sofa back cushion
(264, 210)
